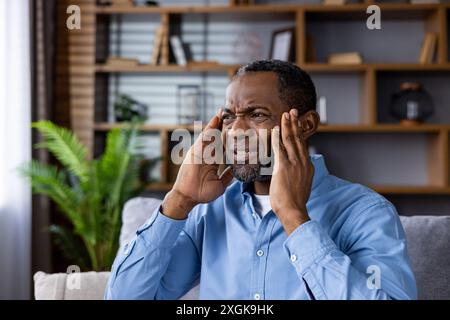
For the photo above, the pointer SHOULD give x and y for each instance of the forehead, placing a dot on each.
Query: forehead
(253, 87)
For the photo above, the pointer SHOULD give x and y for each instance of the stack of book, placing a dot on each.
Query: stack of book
(345, 58)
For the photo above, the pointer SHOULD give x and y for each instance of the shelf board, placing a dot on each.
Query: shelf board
(325, 67)
(194, 9)
(146, 127)
(428, 190)
(310, 67)
(410, 66)
(378, 128)
(147, 68)
(384, 128)
(268, 8)
(407, 190)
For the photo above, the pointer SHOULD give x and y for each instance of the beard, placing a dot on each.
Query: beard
(248, 172)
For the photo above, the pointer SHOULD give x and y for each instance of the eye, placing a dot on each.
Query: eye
(258, 115)
(227, 117)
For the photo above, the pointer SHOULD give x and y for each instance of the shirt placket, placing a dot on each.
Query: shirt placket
(259, 257)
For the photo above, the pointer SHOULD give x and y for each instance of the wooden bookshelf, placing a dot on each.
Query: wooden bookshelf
(83, 68)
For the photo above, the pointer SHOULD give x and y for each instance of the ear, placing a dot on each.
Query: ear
(309, 122)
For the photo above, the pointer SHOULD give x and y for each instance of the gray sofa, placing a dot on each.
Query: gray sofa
(428, 245)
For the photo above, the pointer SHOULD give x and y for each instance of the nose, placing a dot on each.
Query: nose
(239, 125)
(241, 135)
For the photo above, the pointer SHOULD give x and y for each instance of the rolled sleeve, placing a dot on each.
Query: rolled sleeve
(307, 244)
(161, 230)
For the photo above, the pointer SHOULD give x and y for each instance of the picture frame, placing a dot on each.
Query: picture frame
(282, 45)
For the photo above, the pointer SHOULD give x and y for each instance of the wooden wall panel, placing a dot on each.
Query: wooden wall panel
(75, 71)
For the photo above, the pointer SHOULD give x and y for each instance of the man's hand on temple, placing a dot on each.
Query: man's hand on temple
(293, 172)
(197, 182)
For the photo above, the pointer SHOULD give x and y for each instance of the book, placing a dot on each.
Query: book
(345, 58)
(157, 45)
(178, 50)
(428, 48)
(164, 60)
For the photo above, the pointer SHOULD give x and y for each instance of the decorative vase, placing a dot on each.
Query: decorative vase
(412, 104)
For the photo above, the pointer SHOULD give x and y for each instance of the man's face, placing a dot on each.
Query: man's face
(252, 102)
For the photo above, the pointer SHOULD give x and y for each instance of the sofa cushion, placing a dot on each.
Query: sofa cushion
(428, 239)
(72, 286)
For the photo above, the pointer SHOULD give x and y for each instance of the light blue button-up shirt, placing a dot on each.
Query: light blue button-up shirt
(353, 248)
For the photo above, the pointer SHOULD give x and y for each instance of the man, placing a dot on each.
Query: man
(299, 233)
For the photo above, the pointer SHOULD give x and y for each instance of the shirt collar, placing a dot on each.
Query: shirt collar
(320, 172)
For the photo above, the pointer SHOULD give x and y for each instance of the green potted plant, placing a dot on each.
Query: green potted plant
(90, 193)
(128, 109)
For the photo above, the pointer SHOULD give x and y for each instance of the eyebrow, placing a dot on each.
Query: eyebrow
(249, 108)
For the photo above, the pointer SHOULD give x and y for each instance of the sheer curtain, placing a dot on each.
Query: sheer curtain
(15, 149)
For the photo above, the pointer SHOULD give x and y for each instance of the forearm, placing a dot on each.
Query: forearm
(139, 268)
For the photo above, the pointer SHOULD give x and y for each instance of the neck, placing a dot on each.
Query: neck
(261, 187)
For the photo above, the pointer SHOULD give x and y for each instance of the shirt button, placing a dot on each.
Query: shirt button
(293, 257)
(257, 296)
(259, 253)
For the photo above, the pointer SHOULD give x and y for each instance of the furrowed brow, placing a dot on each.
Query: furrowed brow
(248, 109)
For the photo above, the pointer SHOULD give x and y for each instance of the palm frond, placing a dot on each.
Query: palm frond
(65, 147)
(70, 246)
(115, 162)
(48, 181)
